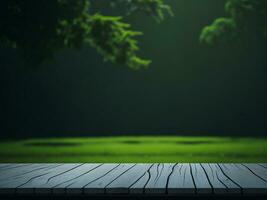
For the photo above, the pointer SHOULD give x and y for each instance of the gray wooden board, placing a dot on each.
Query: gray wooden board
(58, 182)
(99, 185)
(212, 180)
(37, 182)
(138, 186)
(13, 176)
(221, 183)
(10, 184)
(2, 166)
(257, 170)
(244, 178)
(124, 182)
(80, 184)
(156, 178)
(263, 165)
(202, 183)
(67, 182)
(180, 180)
(12, 166)
(15, 172)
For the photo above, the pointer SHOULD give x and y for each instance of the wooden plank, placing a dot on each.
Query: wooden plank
(216, 186)
(232, 187)
(157, 178)
(138, 187)
(4, 165)
(200, 179)
(58, 184)
(246, 180)
(257, 170)
(159, 173)
(85, 175)
(180, 181)
(124, 183)
(37, 184)
(13, 166)
(220, 183)
(75, 182)
(98, 185)
(10, 185)
(13, 173)
(78, 185)
(262, 165)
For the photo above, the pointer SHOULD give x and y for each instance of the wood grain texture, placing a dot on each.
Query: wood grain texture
(132, 179)
(100, 184)
(124, 183)
(19, 170)
(181, 181)
(221, 183)
(37, 184)
(158, 179)
(244, 178)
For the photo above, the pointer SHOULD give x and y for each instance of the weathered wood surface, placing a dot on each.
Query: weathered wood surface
(142, 179)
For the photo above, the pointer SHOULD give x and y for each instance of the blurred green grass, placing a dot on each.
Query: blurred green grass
(135, 149)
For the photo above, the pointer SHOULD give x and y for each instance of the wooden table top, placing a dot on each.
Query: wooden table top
(134, 178)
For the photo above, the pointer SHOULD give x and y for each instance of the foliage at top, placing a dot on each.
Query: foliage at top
(41, 28)
(155, 8)
(245, 19)
(114, 40)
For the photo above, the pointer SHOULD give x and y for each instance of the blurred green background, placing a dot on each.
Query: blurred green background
(141, 149)
(190, 90)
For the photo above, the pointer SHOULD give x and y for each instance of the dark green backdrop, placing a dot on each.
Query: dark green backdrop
(189, 88)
